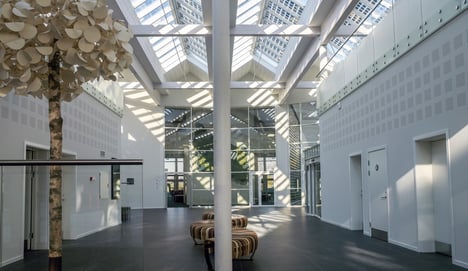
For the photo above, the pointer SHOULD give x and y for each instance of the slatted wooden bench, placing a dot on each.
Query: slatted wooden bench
(203, 229)
(244, 245)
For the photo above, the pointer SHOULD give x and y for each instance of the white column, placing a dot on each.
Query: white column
(222, 134)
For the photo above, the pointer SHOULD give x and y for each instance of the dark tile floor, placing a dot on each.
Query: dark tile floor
(158, 239)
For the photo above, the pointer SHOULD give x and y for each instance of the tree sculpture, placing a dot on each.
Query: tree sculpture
(49, 48)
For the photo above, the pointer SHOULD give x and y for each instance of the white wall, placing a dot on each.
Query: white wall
(89, 128)
(281, 174)
(143, 138)
(422, 92)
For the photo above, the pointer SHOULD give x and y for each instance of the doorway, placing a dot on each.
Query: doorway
(433, 195)
(176, 189)
(378, 185)
(355, 176)
(36, 202)
(263, 189)
(313, 188)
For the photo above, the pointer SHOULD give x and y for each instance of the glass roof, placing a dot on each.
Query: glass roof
(360, 22)
(267, 51)
(172, 51)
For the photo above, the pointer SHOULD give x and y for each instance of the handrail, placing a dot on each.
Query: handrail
(74, 162)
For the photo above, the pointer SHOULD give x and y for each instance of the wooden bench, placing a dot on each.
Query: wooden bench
(244, 245)
(202, 230)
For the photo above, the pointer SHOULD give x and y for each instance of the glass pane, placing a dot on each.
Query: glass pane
(202, 139)
(295, 157)
(295, 179)
(309, 113)
(202, 161)
(256, 200)
(239, 139)
(317, 190)
(202, 198)
(177, 139)
(262, 138)
(262, 117)
(202, 189)
(268, 189)
(240, 197)
(239, 117)
(310, 133)
(296, 197)
(202, 118)
(239, 161)
(240, 180)
(263, 160)
(294, 134)
(202, 181)
(296, 191)
(294, 114)
(177, 191)
(177, 117)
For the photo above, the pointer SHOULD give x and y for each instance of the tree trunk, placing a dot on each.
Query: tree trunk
(55, 185)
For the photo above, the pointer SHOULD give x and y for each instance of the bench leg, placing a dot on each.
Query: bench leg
(207, 246)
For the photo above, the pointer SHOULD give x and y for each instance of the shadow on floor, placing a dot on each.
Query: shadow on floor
(159, 239)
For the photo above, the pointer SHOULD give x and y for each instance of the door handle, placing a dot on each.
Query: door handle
(383, 197)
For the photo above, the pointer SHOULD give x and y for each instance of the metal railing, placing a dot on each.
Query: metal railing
(72, 162)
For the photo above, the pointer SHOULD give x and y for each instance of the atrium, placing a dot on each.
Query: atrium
(351, 113)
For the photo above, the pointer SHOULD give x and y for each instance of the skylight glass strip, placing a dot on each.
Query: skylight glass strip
(340, 47)
(168, 50)
(282, 12)
(242, 51)
(190, 12)
(248, 12)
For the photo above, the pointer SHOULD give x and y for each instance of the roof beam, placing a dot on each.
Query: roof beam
(235, 85)
(232, 24)
(275, 30)
(207, 22)
(194, 30)
(330, 24)
(143, 51)
(167, 30)
(297, 46)
(139, 72)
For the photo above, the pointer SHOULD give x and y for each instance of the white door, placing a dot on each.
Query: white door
(377, 171)
(441, 196)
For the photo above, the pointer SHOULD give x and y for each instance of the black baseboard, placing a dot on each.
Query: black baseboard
(443, 248)
(379, 234)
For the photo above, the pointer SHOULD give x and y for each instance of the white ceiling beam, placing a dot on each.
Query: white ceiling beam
(207, 22)
(232, 24)
(275, 30)
(329, 26)
(143, 50)
(194, 30)
(298, 45)
(142, 77)
(170, 30)
(235, 85)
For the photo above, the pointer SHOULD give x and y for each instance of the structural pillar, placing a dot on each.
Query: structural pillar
(222, 134)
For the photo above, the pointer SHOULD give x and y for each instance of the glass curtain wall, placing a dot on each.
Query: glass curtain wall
(189, 139)
(303, 133)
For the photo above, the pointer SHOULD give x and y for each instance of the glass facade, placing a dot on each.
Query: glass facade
(190, 157)
(303, 133)
(189, 151)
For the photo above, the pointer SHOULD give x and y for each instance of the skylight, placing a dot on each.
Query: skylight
(270, 50)
(159, 12)
(359, 23)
